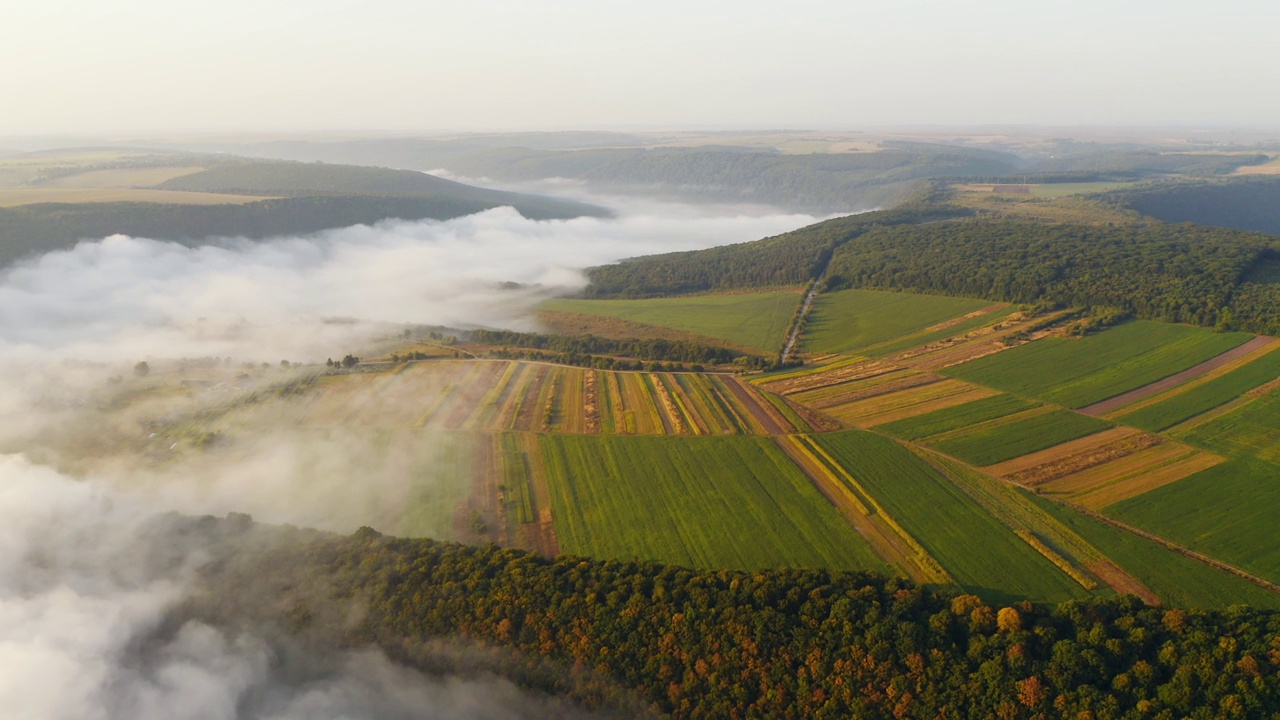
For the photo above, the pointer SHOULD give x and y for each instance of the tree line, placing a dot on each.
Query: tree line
(780, 643)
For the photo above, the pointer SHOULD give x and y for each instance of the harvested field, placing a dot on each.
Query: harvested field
(1117, 437)
(834, 374)
(906, 403)
(855, 390)
(1115, 403)
(1117, 469)
(571, 323)
(1101, 496)
(947, 332)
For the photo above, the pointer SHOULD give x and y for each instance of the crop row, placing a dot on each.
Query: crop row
(1205, 396)
(991, 445)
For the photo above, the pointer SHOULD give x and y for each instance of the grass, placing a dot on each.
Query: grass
(1178, 580)
(956, 330)
(734, 502)
(850, 321)
(1203, 398)
(124, 177)
(983, 555)
(991, 445)
(751, 320)
(954, 418)
(1078, 372)
(1253, 430)
(1227, 512)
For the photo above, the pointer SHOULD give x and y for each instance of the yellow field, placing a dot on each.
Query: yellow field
(139, 177)
(14, 197)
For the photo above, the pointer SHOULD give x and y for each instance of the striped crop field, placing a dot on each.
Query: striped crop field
(501, 396)
(1081, 371)
(1251, 430)
(894, 545)
(954, 418)
(853, 321)
(1177, 579)
(988, 445)
(1203, 397)
(709, 502)
(1065, 458)
(757, 321)
(983, 555)
(908, 402)
(845, 372)
(1227, 511)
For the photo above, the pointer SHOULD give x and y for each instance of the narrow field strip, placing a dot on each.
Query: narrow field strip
(1142, 483)
(1118, 469)
(983, 554)
(1077, 455)
(845, 393)
(1212, 393)
(954, 418)
(1115, 403)
(892, 406)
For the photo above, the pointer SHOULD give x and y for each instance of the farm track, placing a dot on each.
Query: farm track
(1112, 404)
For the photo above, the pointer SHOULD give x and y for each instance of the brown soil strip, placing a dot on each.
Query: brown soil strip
(882, 539)
(1057, 452)
(1088, 478)
(591, 403)
(1176, 379)
(761, 411)
(1146, 482)
(1092, 457)
(671, 417)
(1203, 379)
(1122, 582)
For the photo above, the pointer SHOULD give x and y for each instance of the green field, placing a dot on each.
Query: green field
(752, 320)
(1253, 430)
(1078, 372)
(732, 502)
(983, 555)
(991, 445)
(960, 328)
(1202, 398)
(850, 321)
(954, 418)
(1227, 511)
(442, 468)
(1177, 579)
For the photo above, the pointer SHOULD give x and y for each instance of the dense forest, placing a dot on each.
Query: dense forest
(789, 259)
(768, 644)
(1176, 273)
(1243, 203)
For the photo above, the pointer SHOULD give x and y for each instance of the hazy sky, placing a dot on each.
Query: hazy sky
(159, 65)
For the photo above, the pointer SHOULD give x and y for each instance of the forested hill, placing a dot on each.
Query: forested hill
(298, 198)
(764, 644)
(1172, 272)
(788, 259)
(1243, 204)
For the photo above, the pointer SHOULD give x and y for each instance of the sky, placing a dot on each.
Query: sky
(78, 66)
